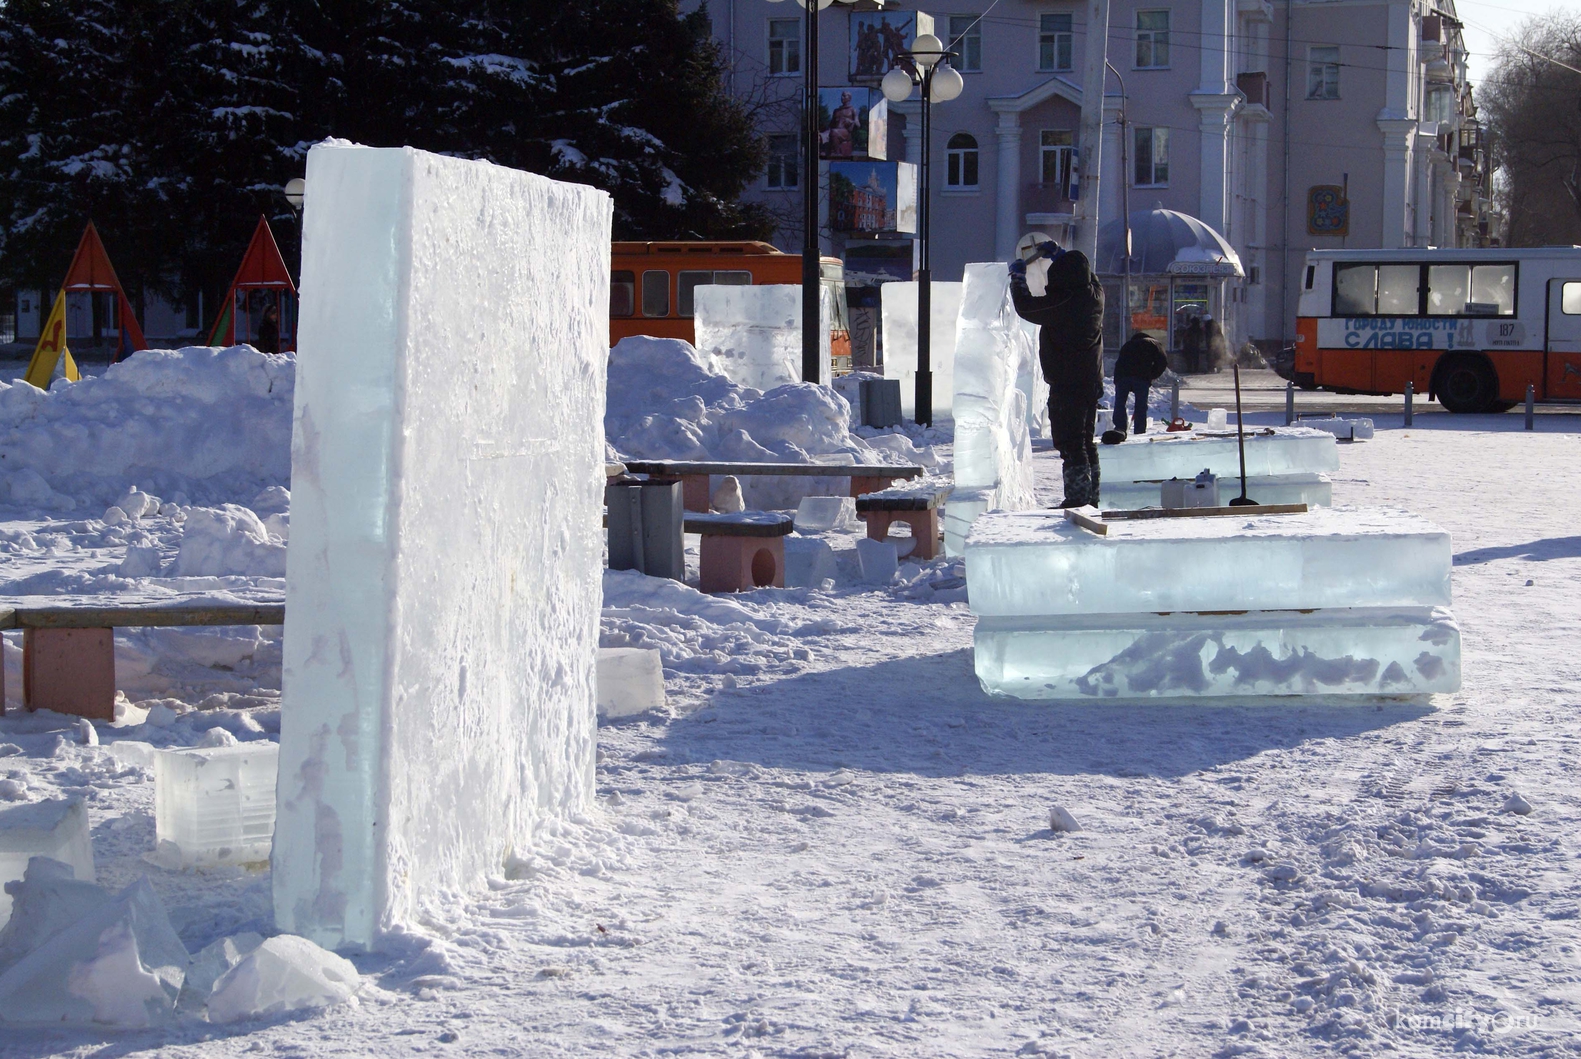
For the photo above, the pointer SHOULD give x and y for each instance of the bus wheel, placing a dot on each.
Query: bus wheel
(1467, 384)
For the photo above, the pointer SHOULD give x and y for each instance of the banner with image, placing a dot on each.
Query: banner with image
(853, 122)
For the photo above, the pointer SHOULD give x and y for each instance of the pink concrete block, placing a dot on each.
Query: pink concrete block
(924, 529)
(731, 564)
(70, 671)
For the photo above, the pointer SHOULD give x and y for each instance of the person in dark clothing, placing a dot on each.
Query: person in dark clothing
(1214, 344)
(1141, 360)
(1069, 316)
(1194, 345)
(269, 331)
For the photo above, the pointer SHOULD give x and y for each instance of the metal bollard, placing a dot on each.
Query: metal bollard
(1410, 392)
(1531, 393)
(1290, 403)
(1174, 400)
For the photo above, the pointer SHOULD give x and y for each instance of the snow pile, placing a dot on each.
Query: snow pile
(225, 540)
(214, 424)
(285, 973)
(693, 632)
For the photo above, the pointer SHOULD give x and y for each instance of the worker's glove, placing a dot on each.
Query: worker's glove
(1051, 250)
(1018, 268)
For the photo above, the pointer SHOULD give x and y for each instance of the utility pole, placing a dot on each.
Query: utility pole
(1094, 67)
(811, 253)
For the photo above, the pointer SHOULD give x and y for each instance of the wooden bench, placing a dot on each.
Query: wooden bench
(697, 496)
(917, 507)
(741, 551)
(68, 652)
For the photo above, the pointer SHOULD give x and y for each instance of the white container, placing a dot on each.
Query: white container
(1201, 491)
(215, 805)
(56, 829)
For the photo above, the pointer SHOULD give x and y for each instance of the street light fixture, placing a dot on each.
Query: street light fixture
(939, 83)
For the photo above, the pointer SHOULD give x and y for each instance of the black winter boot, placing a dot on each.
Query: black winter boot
(1092, 488)
(1073, 487)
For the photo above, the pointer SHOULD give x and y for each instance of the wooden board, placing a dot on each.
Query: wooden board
(144, 614)
(1207, 512)
(1087, 522)
(724, 527)
(677, 468)
(880, 502)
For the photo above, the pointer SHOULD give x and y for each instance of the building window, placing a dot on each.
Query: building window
(1152, 40)
(1152, 157)
(784, 46)
(1056, 154)
(1322, 73)
(1054, 42)
(966, 40)
(960, 161)
(783, 162)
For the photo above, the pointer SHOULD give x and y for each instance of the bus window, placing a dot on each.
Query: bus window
(1397, 290)
(655, 293)
(1311, 275)
(1570, 299)
(1355, 290)
(1447, 288)
(687, 282)
(622, 293)
(734, 279)
(1492, 290)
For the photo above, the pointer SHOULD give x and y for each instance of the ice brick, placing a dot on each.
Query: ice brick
(215, 805)
(878, 560)
(630, 681)
(1269, 451)
(994, 358)
(1341, 428)
(57, 829)
(960, 511)
(283, 974)
(1037, 563)
(210, 965)
(899, 311)
(809, 562)
(1314, 490)
(755, 331)
(817, 514)
(1407, 651)
(444, 572)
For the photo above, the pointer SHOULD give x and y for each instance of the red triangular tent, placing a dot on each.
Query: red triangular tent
(262, 269)
(92, 272)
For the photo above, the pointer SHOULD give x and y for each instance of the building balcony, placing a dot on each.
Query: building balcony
(1254, 86)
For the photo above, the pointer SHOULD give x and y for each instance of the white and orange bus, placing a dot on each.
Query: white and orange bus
(1473, 328)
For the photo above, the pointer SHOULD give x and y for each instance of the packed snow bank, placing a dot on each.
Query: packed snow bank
(213, 424)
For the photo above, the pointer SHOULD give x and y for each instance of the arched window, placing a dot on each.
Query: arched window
(960, 161)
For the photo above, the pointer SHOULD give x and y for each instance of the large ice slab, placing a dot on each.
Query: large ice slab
(1039, 564)
(1314, 490)
(215, 805)
(899, 315)
(57, 829)
(1383, 651)
(1269, 451)
(755, 331)
(444, 572)
(995, 358)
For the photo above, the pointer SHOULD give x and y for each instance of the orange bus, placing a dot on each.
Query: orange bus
(1473, 328)
(651, 285)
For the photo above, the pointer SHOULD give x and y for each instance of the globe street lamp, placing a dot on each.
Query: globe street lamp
(295, 192)
(942, 84)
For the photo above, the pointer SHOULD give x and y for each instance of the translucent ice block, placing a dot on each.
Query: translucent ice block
(1408, 651)
(960, 512)
(216, 805)
(630, 681)
(808, 562)
(57, 829)
(994, 359)
(444, 572)
(1269, 451)
(1314, 490)
(755, 331)
(1345, 429)
(900, 342)
(878, 559)
(816, 514)
(1038, 563)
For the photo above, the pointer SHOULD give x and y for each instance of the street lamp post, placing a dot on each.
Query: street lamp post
(295, 192)
(941, 83)
(1125, 209)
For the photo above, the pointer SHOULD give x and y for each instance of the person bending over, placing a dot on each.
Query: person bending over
(1069, 316)
(1140, 362)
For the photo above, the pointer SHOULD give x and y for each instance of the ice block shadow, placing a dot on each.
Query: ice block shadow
(1532, 551)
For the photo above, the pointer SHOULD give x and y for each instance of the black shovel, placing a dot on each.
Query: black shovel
(1240, 438)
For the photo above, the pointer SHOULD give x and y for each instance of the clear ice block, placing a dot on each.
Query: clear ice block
(215, 805)
(1313, 490)
(1269, 451)
(878, 560)
(755, 331)
(809, 562)
(1035, 564)
(57, 829)
(630, 681)
(818, 514)
(445, 567)
(994, 358)
(899, 311)
(1383, 651)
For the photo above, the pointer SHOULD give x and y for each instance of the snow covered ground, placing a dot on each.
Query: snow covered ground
(835, 844)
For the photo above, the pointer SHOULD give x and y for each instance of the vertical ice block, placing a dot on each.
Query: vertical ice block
(444, 571)
(899, 311)
(994, 359)
(215, 805)
(630, 681)
(756, 332)
(56, 829)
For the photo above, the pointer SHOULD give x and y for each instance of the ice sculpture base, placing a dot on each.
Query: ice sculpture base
(1313, 490)
(1269, 451)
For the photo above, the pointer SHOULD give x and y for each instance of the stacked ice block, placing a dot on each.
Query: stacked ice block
(57, 829)
(1331, 602)
(215, 805)
(1284, 465)
(755, 331)
(900, 343)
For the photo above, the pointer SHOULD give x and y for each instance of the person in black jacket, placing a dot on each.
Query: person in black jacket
(269, 331)
(1141, 360)
(1070, 349)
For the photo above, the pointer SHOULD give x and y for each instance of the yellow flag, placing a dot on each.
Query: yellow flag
(51, 347)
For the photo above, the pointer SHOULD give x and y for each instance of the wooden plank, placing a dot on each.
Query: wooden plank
(1086, 522)
(1207, 512)
(147, 614)
(720, 527)
(880, 502)
(679, 468)
(7, 621)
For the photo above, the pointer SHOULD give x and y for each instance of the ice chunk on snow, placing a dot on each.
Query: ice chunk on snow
(994, 359)
(899, 313)
(229, 539)
(1269, 451)
(115, 961)
(809, 562)
(818, 514)
(755, 332)
(444, 575)
(210, 965)
(142, 560)
(215, 804)
(879, 560)
(1061, 820)
(285, 973)
(57, 829)
(630, 681)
